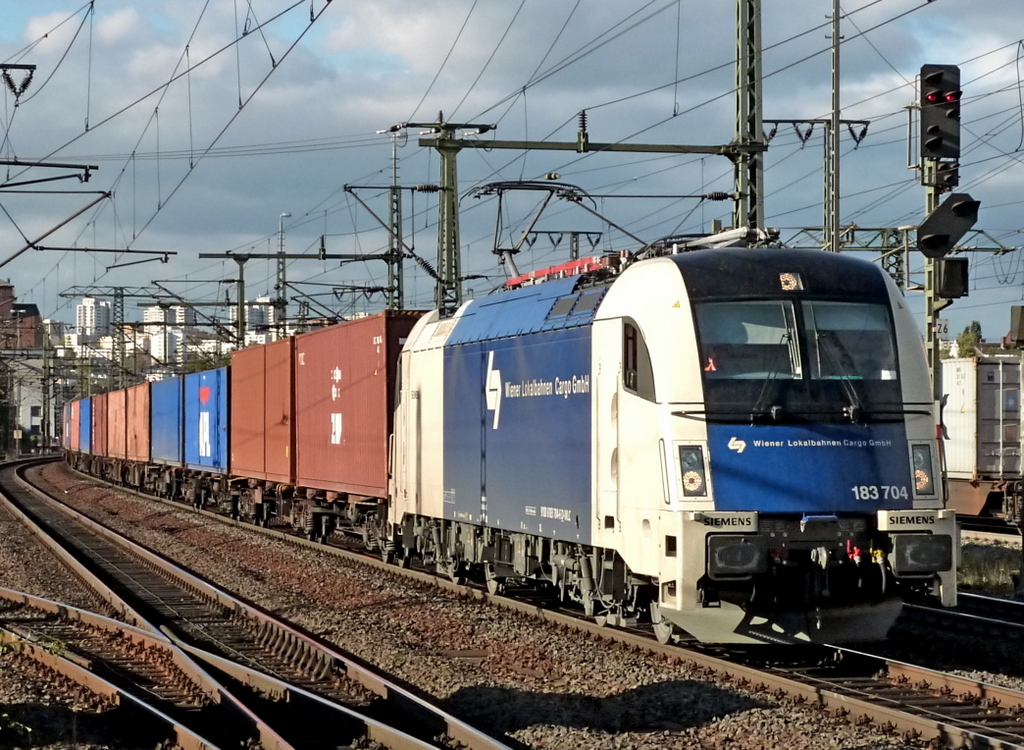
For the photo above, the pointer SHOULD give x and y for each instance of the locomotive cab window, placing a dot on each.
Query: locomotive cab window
(797, 359)
(748, 341)
(637, 372)
(849, 341)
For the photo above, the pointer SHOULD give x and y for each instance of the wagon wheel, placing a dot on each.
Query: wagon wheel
(663, 629)
(370, 540)
(589, 604)
(455, 571)
(495, 585)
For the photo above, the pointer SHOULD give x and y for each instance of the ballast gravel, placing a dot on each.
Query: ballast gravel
(532, 683)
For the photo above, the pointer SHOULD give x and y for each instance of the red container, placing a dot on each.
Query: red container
(75, 438)
(99, 425)
(344, 393)
(262, 412)
(138, 422)
(117, 424)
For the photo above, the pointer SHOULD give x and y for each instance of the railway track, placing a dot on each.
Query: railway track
(331, 700)
(1009, 610)
(975, 616)
(911, 701)
(988, 531)
(117, 665)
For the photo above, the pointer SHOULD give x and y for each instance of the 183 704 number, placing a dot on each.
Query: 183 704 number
(880, 492)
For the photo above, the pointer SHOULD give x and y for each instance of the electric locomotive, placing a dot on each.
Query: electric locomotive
(737, 443)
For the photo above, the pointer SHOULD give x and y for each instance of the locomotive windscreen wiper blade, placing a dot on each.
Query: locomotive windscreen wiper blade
(826, 344)
(772, 375)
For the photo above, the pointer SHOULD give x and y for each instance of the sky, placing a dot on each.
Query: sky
(206, 121)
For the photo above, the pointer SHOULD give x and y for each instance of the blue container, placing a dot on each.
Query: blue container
(206, 420)
(85, 425)
(167, 422)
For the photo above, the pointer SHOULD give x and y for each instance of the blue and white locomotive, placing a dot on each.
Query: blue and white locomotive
(738, 443)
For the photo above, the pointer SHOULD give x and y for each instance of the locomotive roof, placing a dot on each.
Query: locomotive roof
(755, 272)
(710, 273)
(553, 305)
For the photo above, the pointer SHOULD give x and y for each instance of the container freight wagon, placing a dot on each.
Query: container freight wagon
(85, 425)
(72, 434)
(99, 425)
(344, 384)
(137, 410)
(344, 399)
(117, 424)
(65, 426)
(982, 417)
(206, 420)
(263, 412)
(167, 434)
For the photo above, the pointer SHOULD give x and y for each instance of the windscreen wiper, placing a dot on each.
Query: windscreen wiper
(774, 411)
(854, 408)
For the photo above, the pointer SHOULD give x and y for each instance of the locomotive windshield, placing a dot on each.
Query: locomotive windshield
(849, 340)
(749, 340)
(797, 358)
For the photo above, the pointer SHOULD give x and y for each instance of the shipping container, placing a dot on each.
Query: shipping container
(262, 405)
(85, 425)
(982, 416)
(138, 422)
(99, 425)
(167, 419)
(248, 411)
(117, 424)
(344, 396)
(206, 420)
(74, 435)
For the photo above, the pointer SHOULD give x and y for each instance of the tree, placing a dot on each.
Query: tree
(969, 339)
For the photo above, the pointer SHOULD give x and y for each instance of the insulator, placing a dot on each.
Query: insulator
(717, 196)
(583, 121)
(427, 188)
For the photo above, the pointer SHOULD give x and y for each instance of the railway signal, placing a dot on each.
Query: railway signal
(952, 277)
(947, 224)
(940, 112)
(947, 175)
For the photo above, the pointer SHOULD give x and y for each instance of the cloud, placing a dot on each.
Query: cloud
(647, 73)
(123, 27)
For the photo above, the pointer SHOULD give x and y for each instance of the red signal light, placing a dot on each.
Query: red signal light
(940, 111)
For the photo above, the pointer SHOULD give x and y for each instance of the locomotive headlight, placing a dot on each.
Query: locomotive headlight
(691, 465)
(921, 554)
(921, 457)
(732, 556)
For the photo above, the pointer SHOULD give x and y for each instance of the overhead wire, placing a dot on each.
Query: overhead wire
(490, 59)
(176, 76)
(437, 75)
(523, 91)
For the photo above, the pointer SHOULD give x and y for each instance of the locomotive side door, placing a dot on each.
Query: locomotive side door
(605, 452)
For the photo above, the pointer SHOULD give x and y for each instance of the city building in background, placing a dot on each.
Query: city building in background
(92, 317)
